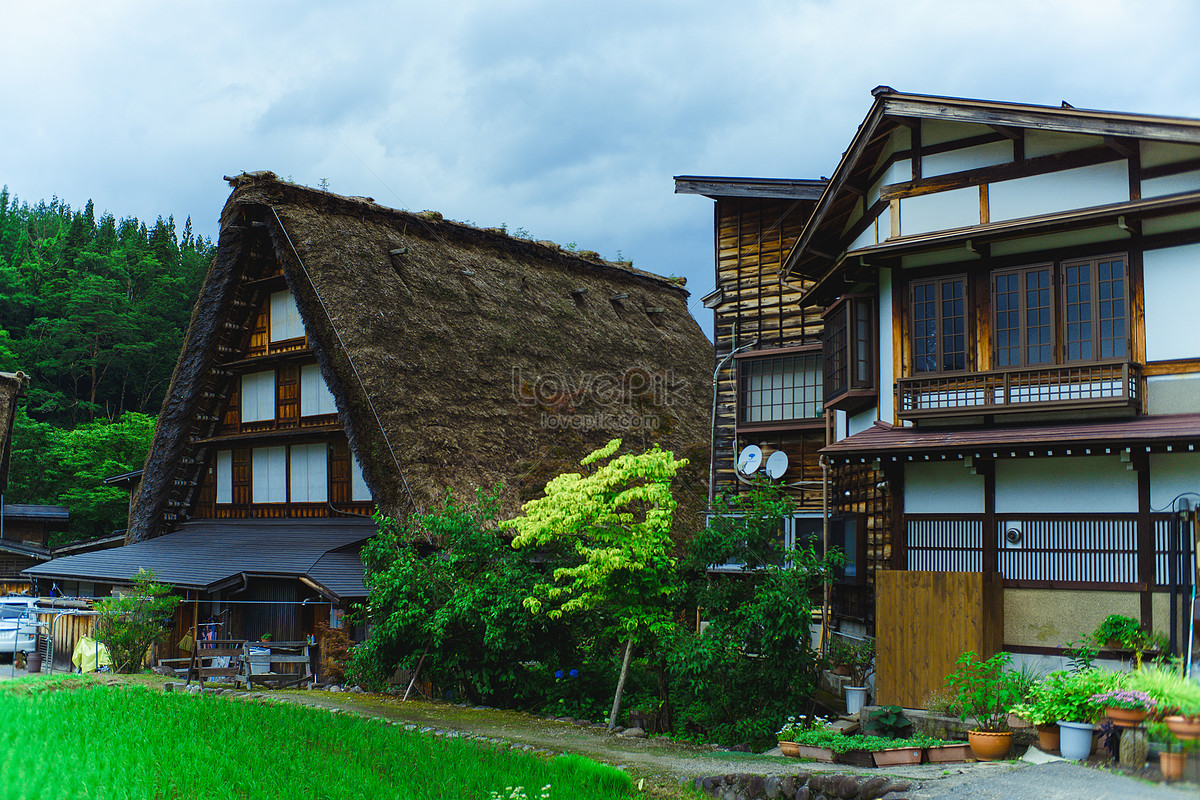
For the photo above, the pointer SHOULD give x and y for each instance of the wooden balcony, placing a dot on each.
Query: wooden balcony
(1075, 387)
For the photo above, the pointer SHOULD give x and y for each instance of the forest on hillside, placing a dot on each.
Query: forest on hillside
(94, 311)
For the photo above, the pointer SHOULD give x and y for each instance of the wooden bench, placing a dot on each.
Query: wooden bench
(276, 653)
(200, 665)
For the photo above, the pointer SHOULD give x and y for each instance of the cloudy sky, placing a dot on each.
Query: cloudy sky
(563, 118)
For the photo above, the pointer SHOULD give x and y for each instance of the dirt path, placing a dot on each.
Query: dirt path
(659, 762)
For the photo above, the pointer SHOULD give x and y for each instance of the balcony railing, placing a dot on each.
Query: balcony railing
(1103, 385)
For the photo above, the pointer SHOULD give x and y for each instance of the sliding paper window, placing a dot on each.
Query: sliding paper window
(780, 388)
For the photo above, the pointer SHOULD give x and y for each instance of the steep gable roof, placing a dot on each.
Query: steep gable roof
(458, 357)
(825, 235)
(12, 386)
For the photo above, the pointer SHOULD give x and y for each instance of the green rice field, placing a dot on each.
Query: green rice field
(70, 739)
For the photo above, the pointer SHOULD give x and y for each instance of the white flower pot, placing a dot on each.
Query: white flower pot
(856, 698)
(1075, 739)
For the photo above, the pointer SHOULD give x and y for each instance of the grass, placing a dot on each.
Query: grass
(70, 738)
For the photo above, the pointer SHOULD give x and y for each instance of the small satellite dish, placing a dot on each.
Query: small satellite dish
(750, 459)
(777, 464)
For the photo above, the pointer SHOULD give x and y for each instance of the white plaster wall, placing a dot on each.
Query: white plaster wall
(1173, 394)
(957, 208)
(900, 172)
(864, 239)
(861, 421)
(1171, 277)
(1158, 153)
(1173, 474)
(1065, 486)
(1082, 187)
(839, 426)
(1044, 143)
(1172, 184)
(944, 487)
(984, 155)
(887, 377)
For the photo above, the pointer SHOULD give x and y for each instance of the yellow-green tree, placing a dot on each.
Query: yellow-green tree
(617, 518)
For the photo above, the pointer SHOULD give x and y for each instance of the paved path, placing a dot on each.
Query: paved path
(664, 763)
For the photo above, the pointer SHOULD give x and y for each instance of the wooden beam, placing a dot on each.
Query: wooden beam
(1001, 172)
(1007, 132)
(1097, 124)
(1122, 146)
(1163, 170)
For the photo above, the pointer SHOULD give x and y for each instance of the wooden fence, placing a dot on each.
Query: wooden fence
(924, 621)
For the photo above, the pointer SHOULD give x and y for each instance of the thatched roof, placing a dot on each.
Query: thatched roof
(12, 386)
(450, 350)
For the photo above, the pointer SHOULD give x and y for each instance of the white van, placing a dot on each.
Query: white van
(18, 628)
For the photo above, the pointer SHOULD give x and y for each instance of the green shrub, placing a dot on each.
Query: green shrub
(984, 690)
(128, 624)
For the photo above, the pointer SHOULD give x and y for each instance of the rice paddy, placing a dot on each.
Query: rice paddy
(70, 740)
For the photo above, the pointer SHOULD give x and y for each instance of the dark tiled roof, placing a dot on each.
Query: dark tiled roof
(25, 549)
(1144, 431)
(340, 572)
(47, 513)
(205, 553)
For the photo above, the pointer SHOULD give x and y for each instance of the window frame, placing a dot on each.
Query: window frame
(938, 321)
(1023, 315)
(1095, 301)
(752, 357)
(850, 349)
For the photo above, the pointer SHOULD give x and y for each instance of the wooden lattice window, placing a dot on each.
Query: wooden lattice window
(779, 388)
(939, 325)
(1023, 316)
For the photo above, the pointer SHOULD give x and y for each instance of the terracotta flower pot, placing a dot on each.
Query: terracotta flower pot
(949, 753)
(1048, 737)
(990, 745)
(1184, 728)
(824, 754)
(1171, 765)
(1126, 717)
(790, 749)
(896, 756)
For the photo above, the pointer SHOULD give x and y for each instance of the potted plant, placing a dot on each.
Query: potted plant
(858, 656)
(786, 735)
(1171, 757)
(1035, 711)
(1068, 699)
(1125, 707)
(1177, 697)
(1118, 631)
(986, 692)
(940, 751)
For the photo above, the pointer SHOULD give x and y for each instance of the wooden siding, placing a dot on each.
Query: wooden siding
(925, 621)
(753, 236)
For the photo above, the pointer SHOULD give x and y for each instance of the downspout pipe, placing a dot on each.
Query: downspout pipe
(712, 442)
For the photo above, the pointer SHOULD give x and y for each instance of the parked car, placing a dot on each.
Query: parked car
(18, 627)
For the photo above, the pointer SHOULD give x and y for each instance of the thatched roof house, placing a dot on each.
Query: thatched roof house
(456, 355)
(12, 386)
(344, 356)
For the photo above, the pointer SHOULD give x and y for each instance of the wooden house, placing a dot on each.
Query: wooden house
(344, 358)
(1025, 386)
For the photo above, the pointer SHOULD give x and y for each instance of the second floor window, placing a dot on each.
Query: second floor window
(1023, 317)
(1094, 309)
(939, 325)
(779, 388)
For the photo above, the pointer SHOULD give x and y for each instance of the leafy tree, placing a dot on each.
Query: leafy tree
(67, 467)
(128, 624)
(753, 665)
(617, 519)
(446, 594)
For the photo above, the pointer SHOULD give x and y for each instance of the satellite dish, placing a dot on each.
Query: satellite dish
(750, 459)
(777, 464)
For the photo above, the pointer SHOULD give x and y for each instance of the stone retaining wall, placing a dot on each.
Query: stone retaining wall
(803, 786)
